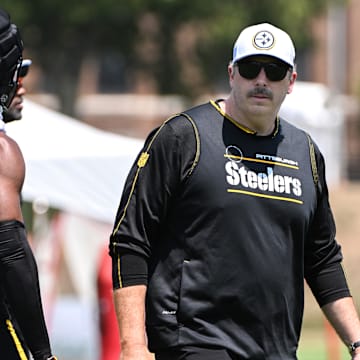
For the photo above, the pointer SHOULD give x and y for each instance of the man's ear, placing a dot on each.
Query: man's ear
(231, 71)
(292, 82)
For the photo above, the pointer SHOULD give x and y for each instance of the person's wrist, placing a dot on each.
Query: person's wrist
(354, 348)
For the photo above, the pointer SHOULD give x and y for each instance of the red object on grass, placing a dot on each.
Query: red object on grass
(108, 328)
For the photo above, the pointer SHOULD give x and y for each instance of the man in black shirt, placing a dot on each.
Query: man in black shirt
(223, 215)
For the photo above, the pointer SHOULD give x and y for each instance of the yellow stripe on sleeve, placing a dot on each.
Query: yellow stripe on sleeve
(16, 340)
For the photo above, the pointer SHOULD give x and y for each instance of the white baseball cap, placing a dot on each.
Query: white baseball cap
(264, 39)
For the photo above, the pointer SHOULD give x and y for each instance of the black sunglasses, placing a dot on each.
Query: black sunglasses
(24, 68)
(251, 69)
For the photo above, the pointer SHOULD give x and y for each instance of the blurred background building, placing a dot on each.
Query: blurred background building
(114, 92)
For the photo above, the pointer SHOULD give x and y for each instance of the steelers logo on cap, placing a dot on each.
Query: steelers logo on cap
(264, 40)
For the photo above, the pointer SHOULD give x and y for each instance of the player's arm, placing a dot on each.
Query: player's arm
(130, 255)
(323, 270)
(130, 311)
(343, 316)
(12, 174)
(18, 266)
(152, 182)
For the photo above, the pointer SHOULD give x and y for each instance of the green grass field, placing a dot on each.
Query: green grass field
(314, 346)
(320, 353)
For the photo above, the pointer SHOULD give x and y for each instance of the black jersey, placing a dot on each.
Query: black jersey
(230, 223)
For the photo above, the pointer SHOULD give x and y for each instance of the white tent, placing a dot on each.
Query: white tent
(72, 166)
(81, 171)
(313, 107)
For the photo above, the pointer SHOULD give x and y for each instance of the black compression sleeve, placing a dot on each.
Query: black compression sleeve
(21, 285)
(329, 285)
(128, 268)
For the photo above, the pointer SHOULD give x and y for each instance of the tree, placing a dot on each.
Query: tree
(176, 46)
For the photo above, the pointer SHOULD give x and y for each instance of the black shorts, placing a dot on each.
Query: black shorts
(195, 353)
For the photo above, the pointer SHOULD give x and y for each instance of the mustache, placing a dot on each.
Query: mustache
(260, 91)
